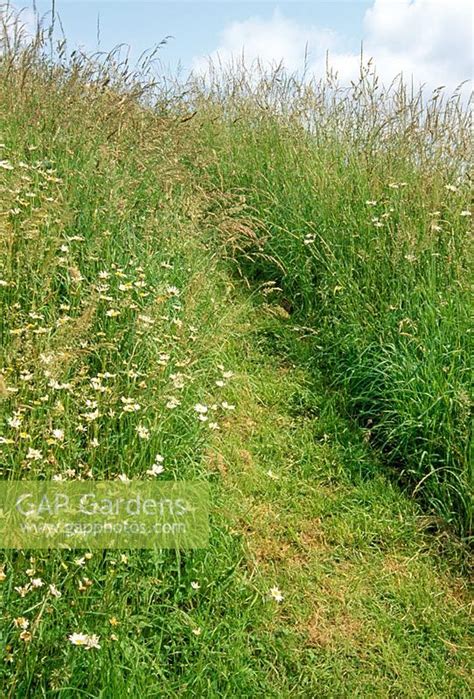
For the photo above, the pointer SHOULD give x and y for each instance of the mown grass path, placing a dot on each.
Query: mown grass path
(370, 606)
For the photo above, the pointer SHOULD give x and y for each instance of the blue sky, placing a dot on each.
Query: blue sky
(430, 39)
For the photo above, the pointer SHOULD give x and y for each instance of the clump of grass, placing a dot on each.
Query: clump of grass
(357, 203)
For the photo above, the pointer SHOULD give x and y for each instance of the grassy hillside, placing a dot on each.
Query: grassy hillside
(124, 221)
(362, 218)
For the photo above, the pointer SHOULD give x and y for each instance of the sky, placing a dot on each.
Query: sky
(429, 40)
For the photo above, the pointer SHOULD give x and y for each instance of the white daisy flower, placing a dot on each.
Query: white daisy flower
(143, 432)
(54, 591)
(276, 594)
(14, 422)
(172, 291)
(201, 409)
(84, 640)
(155, 470)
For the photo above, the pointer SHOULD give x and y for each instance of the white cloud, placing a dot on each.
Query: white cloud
(271, 41)
(430, 40)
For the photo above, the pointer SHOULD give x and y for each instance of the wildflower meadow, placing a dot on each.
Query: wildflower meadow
(261, 285)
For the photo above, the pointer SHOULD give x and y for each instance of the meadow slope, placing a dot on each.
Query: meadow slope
(144, 272)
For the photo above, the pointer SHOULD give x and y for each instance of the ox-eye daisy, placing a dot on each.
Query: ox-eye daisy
(155, 470)
(276, 594)
(143, 432)
(83, 639)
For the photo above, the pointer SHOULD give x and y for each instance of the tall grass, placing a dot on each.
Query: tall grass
(356, 201)
(109, 338)
(118, 315)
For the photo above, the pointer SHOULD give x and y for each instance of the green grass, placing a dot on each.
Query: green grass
(363, 220)
(120, 232)
(366, 592)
